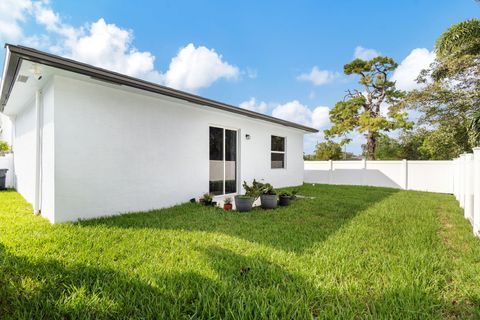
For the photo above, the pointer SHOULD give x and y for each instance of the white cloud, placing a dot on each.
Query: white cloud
(253, 105)
(108, 46)
(111, 47)
(318, 77)
(98, 43)
(293, 111)
(365, 53)
(46, 17)
(52, 22)
(197, 67)
(410, 67)
(296, 112)
(320, 117)
(12, 14)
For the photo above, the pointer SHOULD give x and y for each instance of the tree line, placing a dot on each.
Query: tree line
(447, 104)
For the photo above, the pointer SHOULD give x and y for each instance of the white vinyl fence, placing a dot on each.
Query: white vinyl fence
(466, 186)
(433, 176)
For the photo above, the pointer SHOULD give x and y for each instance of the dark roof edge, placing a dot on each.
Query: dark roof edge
(11, 66)
(20, 52)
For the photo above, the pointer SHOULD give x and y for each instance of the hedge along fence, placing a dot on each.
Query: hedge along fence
(466, 186)
(433, 176)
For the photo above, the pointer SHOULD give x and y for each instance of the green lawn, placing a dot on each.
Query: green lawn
(346, 252)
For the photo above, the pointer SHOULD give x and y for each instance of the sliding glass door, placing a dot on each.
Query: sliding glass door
(223, 161)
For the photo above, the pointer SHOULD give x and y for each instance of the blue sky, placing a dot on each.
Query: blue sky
(262, 52)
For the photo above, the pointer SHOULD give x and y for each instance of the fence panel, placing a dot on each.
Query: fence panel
(385, 174)
(434, 176)
(317, 171)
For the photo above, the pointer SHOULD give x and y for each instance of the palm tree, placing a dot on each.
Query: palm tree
(458, 49)
(460, 39)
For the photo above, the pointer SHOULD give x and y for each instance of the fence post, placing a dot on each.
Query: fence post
(405, 174)
(469, 186)
(461, 181)
(330, 171)
(476, 191)
(364, 172)
(455, 178)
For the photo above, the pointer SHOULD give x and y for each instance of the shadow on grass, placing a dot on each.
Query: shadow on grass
(293, 228)
(245, 288)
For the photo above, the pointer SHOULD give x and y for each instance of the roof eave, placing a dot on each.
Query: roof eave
(10, 70)
(16, 53)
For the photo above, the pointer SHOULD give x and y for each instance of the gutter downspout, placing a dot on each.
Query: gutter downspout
(38, 151)
(13, 120)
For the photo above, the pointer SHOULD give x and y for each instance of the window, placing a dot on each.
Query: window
(277, 152)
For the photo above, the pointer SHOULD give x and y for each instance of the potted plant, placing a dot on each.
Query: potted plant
(244, 203)
(207, 199)
(293, 195)
(227, 204)
(268, 198)
(284, 199)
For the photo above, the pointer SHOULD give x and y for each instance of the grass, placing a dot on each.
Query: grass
(344, 252)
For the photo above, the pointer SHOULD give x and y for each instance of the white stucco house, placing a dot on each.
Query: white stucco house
(89, 142)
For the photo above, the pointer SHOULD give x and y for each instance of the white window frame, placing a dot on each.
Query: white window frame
(224, 161)
(284, 152)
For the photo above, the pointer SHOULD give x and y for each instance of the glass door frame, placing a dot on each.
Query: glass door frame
(237, 148)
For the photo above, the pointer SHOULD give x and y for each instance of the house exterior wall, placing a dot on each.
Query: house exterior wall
(24, 151)
(47, 191)
(118, 151)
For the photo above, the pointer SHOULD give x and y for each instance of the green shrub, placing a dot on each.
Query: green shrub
(258, 188)
(268, 189)
(4, 147)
